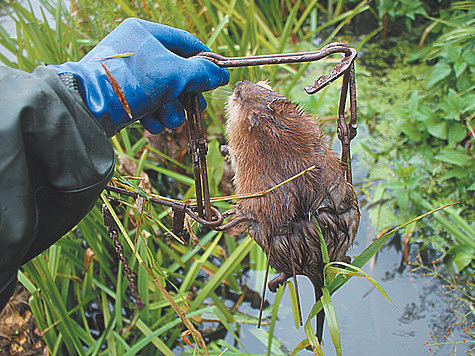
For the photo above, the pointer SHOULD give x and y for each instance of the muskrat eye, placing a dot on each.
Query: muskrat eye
(237, 93)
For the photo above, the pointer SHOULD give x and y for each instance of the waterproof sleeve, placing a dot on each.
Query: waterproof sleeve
(55, 160)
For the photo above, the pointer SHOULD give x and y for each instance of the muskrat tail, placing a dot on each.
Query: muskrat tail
(263, 293)
(317, 285)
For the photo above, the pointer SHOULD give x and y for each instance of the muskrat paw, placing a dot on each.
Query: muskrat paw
(346, 259)
(277, 281)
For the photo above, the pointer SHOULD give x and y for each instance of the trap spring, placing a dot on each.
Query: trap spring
(203, 212)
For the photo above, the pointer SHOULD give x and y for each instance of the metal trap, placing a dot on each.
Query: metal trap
(203, 211)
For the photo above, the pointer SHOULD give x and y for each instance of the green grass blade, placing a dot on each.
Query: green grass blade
(141, 162)
(222, 318)
(308, 9)
(38, 270)
(458, 229)
(159, 344)
(105, 335)
(357, 272)
(294, 302)
(323, 244)
(193, 271)
(273, 320)
(302, 345)
(224, 22)
(309, 331)
(232, 262)
(330, 316)
(139, 345)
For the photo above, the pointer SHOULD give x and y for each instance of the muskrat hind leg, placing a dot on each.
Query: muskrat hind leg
(278, 281)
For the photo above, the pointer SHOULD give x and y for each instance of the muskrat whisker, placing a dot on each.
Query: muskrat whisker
(263, 292)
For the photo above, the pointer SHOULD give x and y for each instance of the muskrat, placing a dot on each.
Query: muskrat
(270, 140)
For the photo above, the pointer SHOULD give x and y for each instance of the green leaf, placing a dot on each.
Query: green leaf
(323, 245)
(151, 335)
(275, 310)
(459, 68)
(371, 250)
(302, 345)
(469, 56)
(456, 133)
(453, 53)
(358, 272)
(224, 22)
(452, 157)
(411, 130)
(222, 318)
(441, 71)
(193, 271)
(459, 256)
(226, 268)
(455, 172)
(309, 331)
(452, 105)
(438, 130)
(461, 232)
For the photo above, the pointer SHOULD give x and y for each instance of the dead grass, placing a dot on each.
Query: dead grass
(19, 334)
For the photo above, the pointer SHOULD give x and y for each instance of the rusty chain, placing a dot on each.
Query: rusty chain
(112, 231)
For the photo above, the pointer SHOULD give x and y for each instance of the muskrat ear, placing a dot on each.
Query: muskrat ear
(265, 84)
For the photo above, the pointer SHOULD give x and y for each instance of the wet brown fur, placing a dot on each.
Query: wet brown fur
(272, 139)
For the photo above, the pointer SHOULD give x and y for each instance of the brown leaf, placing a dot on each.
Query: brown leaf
(117, 90)
(16, 325)
(88, 256)
(184, 337)
(405, 241)
(129, 167)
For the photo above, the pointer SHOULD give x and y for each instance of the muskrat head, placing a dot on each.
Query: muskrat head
(249, 103)
(256, 107)
(257, 110)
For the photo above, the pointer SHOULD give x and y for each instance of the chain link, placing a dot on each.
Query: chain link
(112, 231)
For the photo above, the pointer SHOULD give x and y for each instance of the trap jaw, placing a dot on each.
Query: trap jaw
(346, 131)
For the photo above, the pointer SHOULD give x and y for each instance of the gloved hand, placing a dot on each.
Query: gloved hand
(152, 78)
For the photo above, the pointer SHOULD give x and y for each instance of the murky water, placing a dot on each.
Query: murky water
(369, 323)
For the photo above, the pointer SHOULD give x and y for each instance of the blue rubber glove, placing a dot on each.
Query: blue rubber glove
(151, 79)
